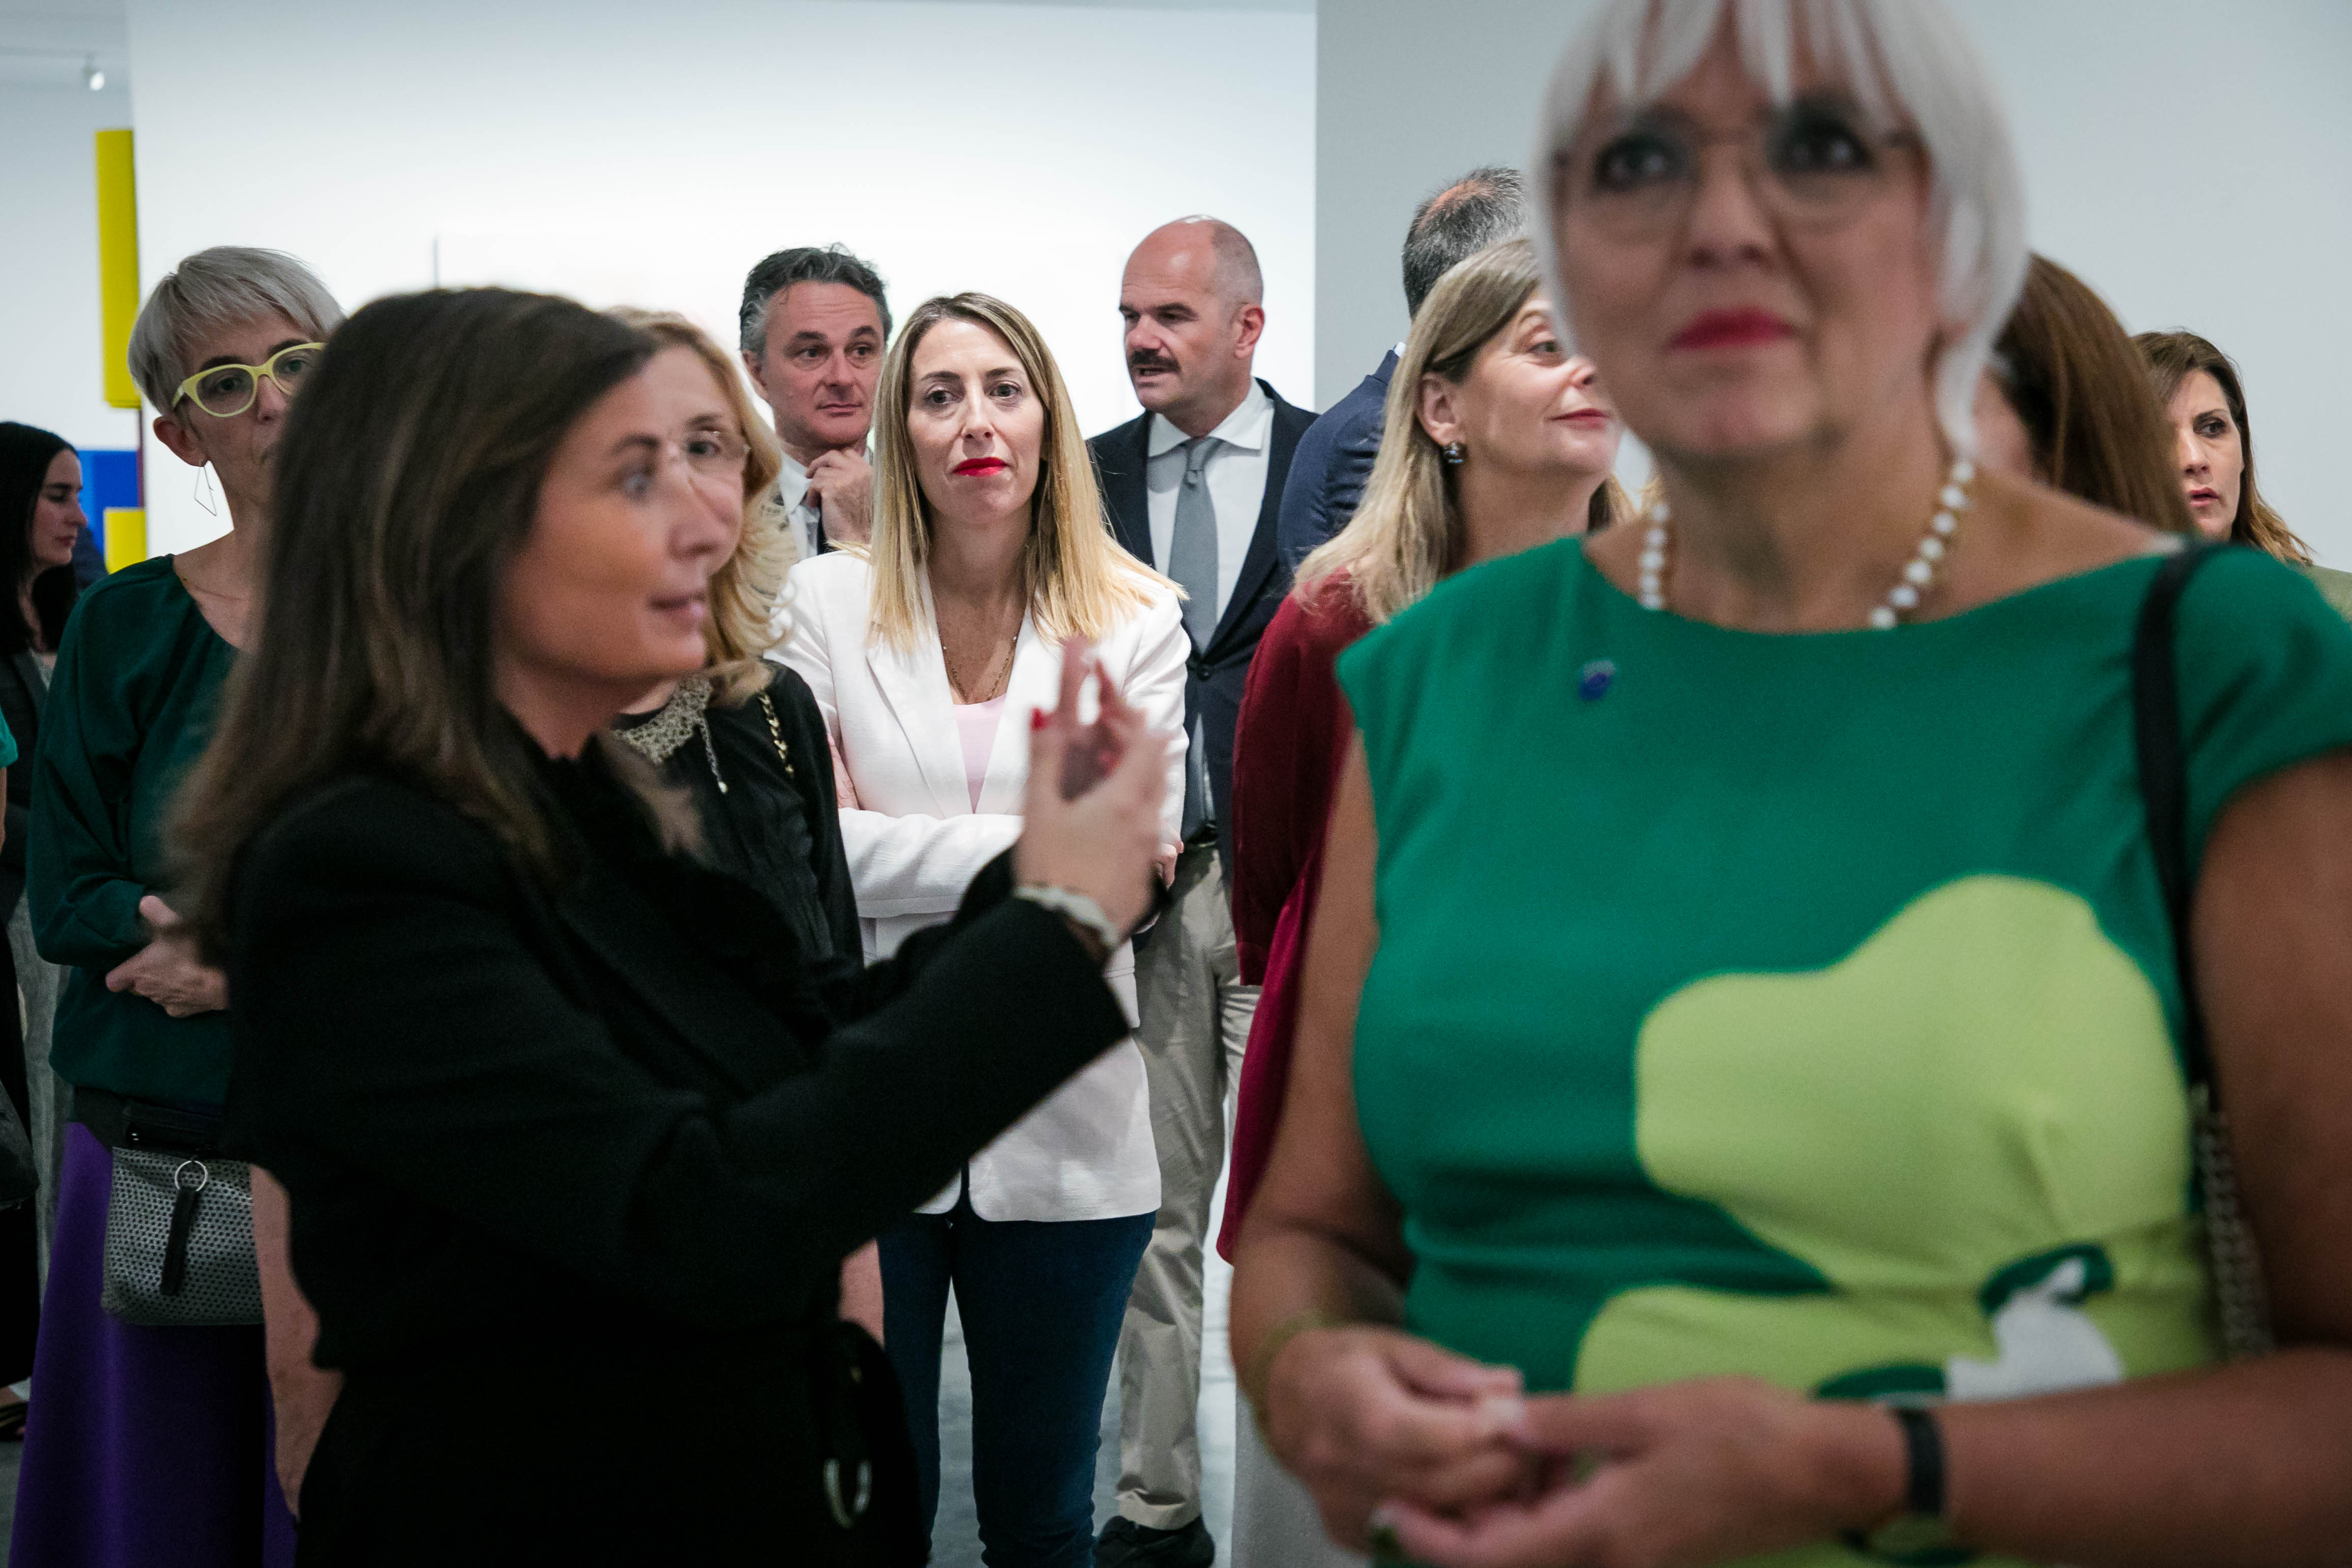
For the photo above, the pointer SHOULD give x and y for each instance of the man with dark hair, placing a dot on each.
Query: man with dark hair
(1191, 487)
(813, 324)
(1335, 457)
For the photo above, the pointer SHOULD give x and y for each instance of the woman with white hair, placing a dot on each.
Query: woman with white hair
(1767, 1128)
(170, 1406)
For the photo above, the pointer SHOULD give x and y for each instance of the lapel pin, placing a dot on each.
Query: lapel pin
(1593, 681)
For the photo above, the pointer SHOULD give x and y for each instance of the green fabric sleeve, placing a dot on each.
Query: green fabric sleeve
(7, 746)
(84, 901)
(2265, 667)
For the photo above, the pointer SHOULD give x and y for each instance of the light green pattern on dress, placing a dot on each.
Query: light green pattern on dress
(1982, 1163)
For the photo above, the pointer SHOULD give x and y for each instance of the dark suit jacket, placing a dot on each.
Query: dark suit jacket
(1212, 693)
(1334, 463)
(552, 1145)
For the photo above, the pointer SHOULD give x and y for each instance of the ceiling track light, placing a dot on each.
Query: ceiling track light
(91, 76)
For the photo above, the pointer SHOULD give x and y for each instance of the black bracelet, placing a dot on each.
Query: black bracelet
(1923, 1451)
(1921, 1527)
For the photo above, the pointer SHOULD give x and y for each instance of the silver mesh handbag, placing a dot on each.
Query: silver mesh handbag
(179, 1226)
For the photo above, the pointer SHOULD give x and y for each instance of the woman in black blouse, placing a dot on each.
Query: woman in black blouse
(745, 740)
(548, 1093)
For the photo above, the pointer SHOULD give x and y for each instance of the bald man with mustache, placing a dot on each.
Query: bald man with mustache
(1193, 487)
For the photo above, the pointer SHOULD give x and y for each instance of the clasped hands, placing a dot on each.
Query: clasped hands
(166, 971)
(1424, 1455)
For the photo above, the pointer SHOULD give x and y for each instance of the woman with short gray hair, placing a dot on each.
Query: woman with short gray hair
(168, 1407)
(1805, 931)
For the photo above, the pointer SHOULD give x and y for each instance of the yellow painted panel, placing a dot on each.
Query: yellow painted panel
(118, 270)
(126, 536)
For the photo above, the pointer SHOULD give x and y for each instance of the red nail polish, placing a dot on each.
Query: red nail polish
(1036, 718)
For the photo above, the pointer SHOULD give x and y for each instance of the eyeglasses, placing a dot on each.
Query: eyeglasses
(1813, 164)
(226, 391)
(715, 451)
(706, 454)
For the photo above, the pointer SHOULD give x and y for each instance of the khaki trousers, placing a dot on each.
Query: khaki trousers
(1276, 1521)
(1195, 1021)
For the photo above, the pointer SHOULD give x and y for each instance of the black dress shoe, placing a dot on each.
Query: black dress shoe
(1126, 1544)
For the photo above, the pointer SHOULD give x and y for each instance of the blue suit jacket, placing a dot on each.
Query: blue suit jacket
(1212, 690)
(1334, 461)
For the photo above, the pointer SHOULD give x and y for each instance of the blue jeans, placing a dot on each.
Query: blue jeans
(1041, 1302)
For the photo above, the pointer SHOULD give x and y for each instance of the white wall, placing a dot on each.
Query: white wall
(2191, 162)
(618, 152)
(52, 366)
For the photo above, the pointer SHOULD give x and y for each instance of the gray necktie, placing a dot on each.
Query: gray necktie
(1192, 552)
(1193, 563)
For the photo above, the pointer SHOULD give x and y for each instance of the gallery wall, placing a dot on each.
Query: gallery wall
(50, 368)
(592, 147)
(2191, 162)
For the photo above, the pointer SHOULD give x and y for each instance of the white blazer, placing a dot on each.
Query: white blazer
(915, 842)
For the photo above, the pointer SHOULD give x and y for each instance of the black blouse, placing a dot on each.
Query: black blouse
(775, 822)
(536, 1135)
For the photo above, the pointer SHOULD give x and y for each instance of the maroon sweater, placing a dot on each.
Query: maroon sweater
(1288, 744)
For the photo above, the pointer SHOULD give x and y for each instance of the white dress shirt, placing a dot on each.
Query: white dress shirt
(915, 838)
(1235, 472)
(807, 521)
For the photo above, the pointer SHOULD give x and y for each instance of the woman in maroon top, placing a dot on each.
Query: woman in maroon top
(1498, 440)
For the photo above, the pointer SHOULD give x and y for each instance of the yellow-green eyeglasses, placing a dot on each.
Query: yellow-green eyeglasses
(226, 391)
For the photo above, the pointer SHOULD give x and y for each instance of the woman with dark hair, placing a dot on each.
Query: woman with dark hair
(2205, 401)
(2064, 401)
(547, 1093)
(40, 519)
(40, 560)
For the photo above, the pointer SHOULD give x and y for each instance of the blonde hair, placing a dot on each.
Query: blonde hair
(743, 624)
(1080, 582)
(1408, 531)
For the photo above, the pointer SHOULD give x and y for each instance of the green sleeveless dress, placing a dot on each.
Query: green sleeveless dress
(1800, 1007)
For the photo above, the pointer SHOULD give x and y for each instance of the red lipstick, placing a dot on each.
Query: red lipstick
(981, 467)
(1731, 330)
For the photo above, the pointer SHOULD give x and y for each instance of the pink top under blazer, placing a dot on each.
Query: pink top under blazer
(915, 841)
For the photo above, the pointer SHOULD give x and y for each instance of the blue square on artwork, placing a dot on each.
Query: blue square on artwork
(110, 477)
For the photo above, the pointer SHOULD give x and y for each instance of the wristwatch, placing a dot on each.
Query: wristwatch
(1920, 1535)
(1077, 908)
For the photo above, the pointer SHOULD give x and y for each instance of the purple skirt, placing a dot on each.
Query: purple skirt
(145, 1447)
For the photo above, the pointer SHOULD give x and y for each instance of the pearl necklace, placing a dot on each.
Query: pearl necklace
(1901, 599)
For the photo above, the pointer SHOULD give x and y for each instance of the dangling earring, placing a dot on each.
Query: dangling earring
(203, 490)
(1453, 452)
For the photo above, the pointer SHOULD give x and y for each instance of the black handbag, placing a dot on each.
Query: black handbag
(2240, 1301)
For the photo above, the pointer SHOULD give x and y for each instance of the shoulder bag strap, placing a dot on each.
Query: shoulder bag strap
(2240, 1298)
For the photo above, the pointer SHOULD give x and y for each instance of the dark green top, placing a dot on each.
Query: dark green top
(1800, 1007)
(130, 708)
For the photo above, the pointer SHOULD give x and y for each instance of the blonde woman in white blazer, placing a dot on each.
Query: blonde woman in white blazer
(927, 656)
